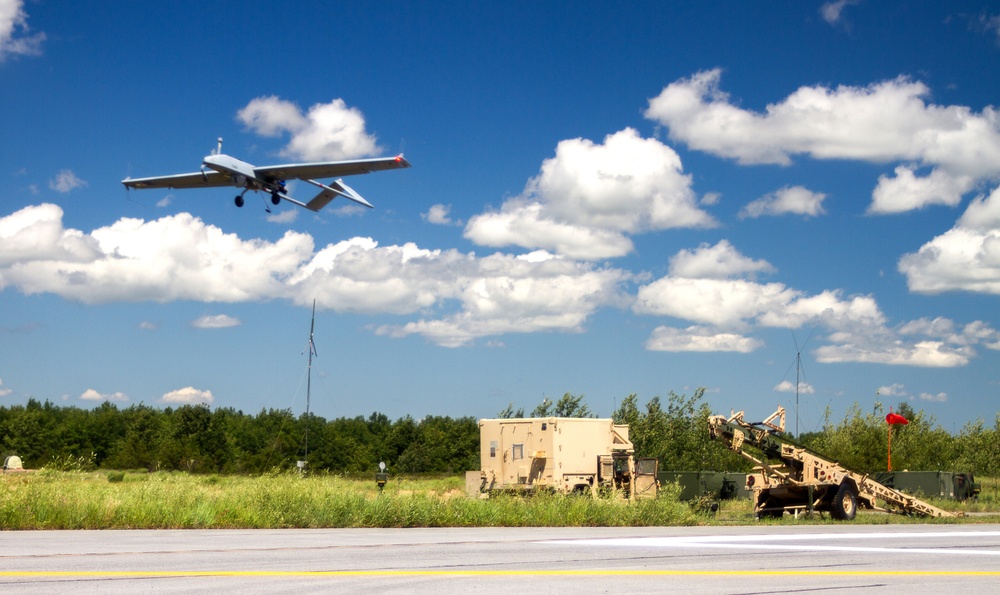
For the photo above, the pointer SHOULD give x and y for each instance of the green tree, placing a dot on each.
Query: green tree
(404, 433)
(572, 406)
(137, 447)
(678, 435)
(28, 433)
(861, 441)
(104, 426)
(380, 429)
(568, 405)
(266, 441)
(628, 412)
(443, 444)
(543, 409)
(509, 412)
(348, 446)
(977, 448)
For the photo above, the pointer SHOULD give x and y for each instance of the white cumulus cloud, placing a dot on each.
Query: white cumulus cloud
(188, 396)
(92, 395)
(283, 217)
(35, 234)
(719, 302)
(907, 192)
(66, 181)
(167, 259)
(328, 131)
(832, 11)
(790, 200)
(507, 294)
(964, 258)
(15, 36)
(589, 197)
(216, 321)
(453, 298)
(720, 261)
(726, 312)
(695, 338)
(438, 215)
(892, 390)
(786, 386)
(885, 122)
(457, 296)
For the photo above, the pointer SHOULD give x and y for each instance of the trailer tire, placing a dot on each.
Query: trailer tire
(845, 503)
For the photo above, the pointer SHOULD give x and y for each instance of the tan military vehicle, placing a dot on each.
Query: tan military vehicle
(562, 454)
(791, 478)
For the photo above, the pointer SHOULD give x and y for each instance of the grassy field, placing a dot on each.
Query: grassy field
(139, 500)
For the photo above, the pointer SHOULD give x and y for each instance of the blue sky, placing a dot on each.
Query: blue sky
(605, 199)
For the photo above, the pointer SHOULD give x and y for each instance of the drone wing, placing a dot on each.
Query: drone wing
(329, 169)
(207, 179)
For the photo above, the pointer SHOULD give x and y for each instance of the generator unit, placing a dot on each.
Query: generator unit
(561, 454)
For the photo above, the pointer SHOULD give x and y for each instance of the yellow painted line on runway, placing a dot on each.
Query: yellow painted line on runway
(479, 573)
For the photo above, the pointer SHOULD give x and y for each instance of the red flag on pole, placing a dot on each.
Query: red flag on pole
(893, 419)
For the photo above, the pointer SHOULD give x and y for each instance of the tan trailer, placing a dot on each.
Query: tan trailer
(562, 454)
(791, 478)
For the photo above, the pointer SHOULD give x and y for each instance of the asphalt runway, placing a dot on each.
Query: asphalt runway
(754, 559)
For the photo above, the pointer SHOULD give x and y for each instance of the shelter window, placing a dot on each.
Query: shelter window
(517, 451)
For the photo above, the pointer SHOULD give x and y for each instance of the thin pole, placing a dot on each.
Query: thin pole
(312, 350)
(798, 366)
(890, 448)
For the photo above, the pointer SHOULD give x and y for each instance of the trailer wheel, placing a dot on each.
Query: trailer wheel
(845, 503)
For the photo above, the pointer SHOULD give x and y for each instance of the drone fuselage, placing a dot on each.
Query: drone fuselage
(240, 172)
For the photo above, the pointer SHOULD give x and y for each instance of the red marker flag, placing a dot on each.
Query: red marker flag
(894, 419)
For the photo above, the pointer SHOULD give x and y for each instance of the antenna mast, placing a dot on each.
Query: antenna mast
(798, 367)
(312, 351)
(798, 372)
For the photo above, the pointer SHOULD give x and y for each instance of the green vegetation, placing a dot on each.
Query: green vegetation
(859, 442)
(568, 405)
(678, 435)
(192, 467)
(174, 500)
(198, 439)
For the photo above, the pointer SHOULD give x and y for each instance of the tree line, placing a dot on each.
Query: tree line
(675, 431)
(199, 439)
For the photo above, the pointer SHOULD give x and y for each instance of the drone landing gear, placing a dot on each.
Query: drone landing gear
(275, 200)
(239, 198)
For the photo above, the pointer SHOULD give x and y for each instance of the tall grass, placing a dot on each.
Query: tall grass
(52, 499)
(74, 500)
